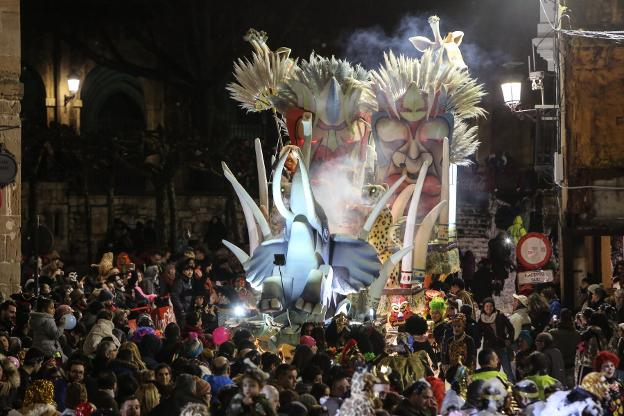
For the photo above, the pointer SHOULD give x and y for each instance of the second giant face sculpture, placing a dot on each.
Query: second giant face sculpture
(404, 137)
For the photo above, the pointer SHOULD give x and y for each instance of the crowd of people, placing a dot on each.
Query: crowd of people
(148, 338)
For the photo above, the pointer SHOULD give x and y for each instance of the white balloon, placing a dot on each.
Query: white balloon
(70, 322)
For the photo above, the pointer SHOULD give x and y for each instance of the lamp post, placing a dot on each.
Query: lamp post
(73, 85)
(511, 94)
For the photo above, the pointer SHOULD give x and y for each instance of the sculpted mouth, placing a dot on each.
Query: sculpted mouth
(412, 176)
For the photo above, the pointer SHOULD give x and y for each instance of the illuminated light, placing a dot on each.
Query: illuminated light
(239, 311)
(73, 84)
(511, 94)
(507, 240)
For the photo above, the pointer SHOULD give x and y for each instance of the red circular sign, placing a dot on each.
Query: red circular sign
(534, 250)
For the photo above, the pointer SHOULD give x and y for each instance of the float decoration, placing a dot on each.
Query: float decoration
(424, 111)
(318, 266)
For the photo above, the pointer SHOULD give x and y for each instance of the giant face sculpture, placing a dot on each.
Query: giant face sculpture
(340, 100)
(338, 96)
(403, 142)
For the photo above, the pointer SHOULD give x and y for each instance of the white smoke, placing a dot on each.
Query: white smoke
(367, 45)
(337, 187)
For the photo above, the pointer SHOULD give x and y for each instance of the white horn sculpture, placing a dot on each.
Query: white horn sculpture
(378, 207)
(276, 188)
(421, 242)
(263, 187)
(237, 251)
(306, 122)
(443, 222)
(406, 263)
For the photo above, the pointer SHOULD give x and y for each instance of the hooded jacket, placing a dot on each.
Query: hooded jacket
(103, 328)
(45, 332)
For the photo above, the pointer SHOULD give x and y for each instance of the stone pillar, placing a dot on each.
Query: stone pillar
(11, 138)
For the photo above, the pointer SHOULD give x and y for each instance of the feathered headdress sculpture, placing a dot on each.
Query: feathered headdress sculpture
(332, 89)
(429, 88)
(258, 80)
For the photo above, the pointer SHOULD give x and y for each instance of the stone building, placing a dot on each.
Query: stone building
(10, 139)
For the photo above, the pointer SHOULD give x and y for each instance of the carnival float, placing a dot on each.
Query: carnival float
(355, 218)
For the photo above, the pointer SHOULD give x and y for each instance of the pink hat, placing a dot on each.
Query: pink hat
(307, 340)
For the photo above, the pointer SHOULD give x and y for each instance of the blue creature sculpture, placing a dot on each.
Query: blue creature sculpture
(313, 266)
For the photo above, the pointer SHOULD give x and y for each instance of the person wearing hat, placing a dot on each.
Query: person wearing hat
(524, 347)
(458, 289)
(182, 291)
(437, 310)
(526, 394)
(203, 390)
(607, 363)
(309, 341)
(191, 347)
(458, 350)
(249, 401)
(520, 317)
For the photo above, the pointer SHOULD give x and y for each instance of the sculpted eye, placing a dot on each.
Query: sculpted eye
(436, 129)
(388, 130)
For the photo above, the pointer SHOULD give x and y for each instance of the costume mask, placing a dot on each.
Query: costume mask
(400, 310)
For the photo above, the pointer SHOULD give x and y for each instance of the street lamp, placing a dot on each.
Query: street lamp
(511, 94)
(73, 85)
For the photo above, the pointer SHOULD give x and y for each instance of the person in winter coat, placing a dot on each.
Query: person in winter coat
(472, 326)
(556, 367)
(249, 401)
(183, 393)
(566, 338)
(182, 292)
(38, 400)
(498, 333)
(361, 401)
(520, 317)
(45, 331)
(539, 312)
(103, 328)
(9, 383)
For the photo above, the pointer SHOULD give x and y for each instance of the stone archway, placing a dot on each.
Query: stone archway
(108, 95)
(34, 98)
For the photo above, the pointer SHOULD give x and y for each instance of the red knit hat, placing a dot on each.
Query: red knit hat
(603, 357)
(307, 340)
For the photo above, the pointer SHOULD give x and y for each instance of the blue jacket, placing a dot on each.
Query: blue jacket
(216, 383)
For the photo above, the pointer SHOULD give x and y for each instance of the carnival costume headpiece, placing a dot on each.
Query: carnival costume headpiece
(39, 392)
(253, 372)
(595, 384)
(526, 391)
(603, 357)
(459, 318)
(438, 305)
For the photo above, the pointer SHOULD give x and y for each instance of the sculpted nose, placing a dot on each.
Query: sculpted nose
(414, 149)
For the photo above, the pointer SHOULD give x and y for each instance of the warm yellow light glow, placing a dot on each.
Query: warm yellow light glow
(73, 84)
(511, 93)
